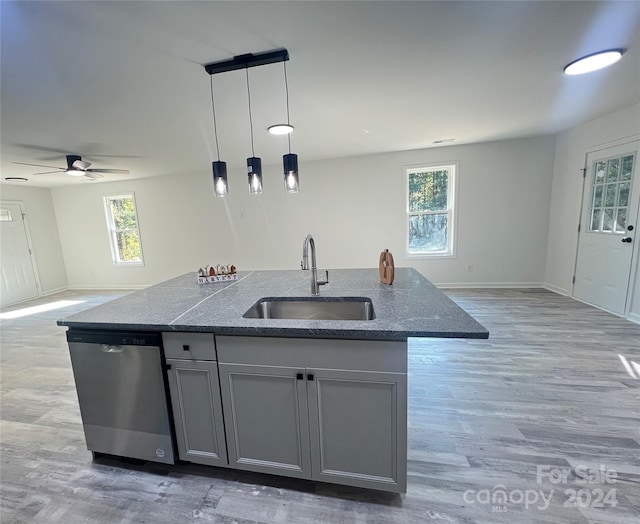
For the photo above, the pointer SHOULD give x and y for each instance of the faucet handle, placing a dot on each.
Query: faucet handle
(326, 278)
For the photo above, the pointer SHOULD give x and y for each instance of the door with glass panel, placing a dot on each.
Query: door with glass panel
(607, 227)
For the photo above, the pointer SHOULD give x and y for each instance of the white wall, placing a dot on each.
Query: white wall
(354, 207)
(41, 221)
(570, 154)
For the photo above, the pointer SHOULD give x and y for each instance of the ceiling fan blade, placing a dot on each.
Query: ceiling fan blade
(112, 171)
(36, 165)
(92, 176)
(49, 172)
(81, 164)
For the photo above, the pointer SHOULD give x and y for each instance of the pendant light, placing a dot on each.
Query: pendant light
(290, 160)
(219, 168)
(254, 164)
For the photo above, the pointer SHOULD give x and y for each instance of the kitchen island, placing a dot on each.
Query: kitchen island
(317, 399)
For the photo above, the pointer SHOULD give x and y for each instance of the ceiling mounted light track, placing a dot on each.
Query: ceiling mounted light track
(254, 164)
(247, 60)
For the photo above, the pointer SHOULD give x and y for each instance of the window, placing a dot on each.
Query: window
(430, 202)
(122, 223)
(610, 194)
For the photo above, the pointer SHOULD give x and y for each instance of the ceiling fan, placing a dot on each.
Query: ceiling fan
(77, 167)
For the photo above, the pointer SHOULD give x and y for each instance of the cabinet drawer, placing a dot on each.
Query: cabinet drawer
(189, 346)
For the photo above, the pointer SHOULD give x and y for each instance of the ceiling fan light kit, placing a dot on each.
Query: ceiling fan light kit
(254, 164)
(75, 172)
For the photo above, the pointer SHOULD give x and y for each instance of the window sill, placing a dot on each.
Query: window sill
(128, 264)
(429, 255)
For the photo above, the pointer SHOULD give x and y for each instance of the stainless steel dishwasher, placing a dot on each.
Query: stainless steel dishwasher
(122, 394)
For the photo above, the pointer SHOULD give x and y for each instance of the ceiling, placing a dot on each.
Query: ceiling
(122, 83)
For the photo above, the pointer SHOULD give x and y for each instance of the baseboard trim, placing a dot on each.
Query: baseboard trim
(488, 285)
(108, 288)
(54, 291)
(557, 289)
(634, 317)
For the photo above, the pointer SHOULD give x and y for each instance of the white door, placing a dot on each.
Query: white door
(608, 227)
(18, 278)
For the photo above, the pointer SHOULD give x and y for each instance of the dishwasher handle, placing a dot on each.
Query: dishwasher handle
(111, 348)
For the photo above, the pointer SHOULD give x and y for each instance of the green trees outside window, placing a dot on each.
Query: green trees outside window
(123, 229)
(429, 210)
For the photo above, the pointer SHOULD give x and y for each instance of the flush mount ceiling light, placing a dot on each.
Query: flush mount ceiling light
(16, 179)
(593, 62)
(254, 164)
(280, 129)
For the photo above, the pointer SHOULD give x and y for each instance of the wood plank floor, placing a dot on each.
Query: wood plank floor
(511, 429)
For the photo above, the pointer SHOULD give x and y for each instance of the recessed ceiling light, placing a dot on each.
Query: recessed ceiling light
(593, 62)
(280, 129)
(16, 179)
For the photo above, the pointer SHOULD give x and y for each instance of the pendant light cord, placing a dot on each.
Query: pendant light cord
(250, 119)
(286, 89)
(215, 127)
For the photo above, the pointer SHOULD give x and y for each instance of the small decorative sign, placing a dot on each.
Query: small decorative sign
(219, 273)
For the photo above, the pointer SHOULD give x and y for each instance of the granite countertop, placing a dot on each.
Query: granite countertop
(411, 307)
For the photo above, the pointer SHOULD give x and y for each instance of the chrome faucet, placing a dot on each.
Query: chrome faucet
(315, 283)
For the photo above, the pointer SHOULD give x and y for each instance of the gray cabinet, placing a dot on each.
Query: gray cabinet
(266, 418)
(356, 427)
(344, 422)
(195, 397)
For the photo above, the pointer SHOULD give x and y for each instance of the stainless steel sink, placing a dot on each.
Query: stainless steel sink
(307, 308)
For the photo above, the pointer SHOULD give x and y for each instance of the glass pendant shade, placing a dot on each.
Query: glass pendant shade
(220, 178)
(291, 182)
(254, 170)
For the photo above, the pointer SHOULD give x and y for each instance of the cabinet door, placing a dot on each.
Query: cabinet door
(197, 411)
(266, 419)
(357, 423)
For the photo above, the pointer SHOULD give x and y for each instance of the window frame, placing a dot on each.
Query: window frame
(112, 230)
(616, 205)
(451, 211)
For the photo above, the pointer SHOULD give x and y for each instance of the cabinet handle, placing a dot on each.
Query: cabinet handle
(310, 376)
(299, 376)
(185, 347)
